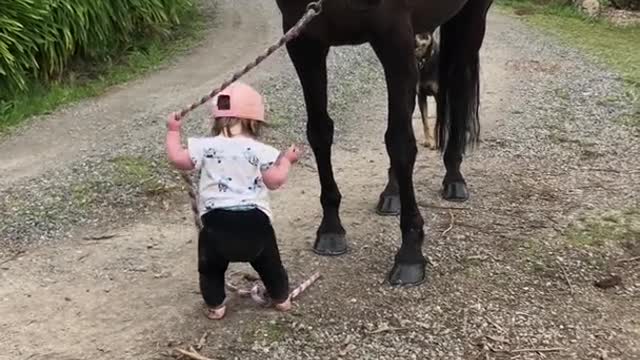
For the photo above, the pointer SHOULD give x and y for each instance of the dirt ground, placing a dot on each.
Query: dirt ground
(511, 272)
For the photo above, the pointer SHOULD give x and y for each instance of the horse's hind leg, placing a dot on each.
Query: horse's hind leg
(389, 201)
(395, 49)
(458, 93)
(309, 60)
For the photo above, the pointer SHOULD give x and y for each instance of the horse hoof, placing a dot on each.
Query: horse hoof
(456, 191)
(406, 275)
(330, 244)
(388, 205)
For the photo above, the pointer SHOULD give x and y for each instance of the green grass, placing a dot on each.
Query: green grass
(140, 173)
(271, 332)
(616, 46)
(130, 169)
(84, 80)
(610, 228)
(126, 173)
(83, 194)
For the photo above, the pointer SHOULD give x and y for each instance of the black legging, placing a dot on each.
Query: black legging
(239, 236)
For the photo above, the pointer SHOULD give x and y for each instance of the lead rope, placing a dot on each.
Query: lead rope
(313, 10)
(259, 295)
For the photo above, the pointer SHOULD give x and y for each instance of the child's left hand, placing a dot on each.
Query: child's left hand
(173, 122)
(292, 154)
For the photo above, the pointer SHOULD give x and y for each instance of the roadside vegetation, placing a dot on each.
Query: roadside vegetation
(614, 45)
(56, 52)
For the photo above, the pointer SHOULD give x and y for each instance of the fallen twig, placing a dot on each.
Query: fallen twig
(496, 325)
(386, 328)
(203, 341)
(566, 277)
(100, 237)
(622, 261)
(422, 325)
(12, 257)
(533, 350)
(485, 229)
(192, 355)
(497, 339)
(443, 207)
(524, 350)
(451, 223)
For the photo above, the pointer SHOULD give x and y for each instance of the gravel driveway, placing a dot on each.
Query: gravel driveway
(98, 259)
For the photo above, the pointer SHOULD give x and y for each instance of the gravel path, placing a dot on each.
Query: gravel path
(514, 271)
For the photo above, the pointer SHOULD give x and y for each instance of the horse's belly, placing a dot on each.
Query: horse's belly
(429, 14)
(341, 24)
(347, 35)
(344, 26)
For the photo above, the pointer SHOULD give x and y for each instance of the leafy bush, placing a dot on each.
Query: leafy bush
(38, 38)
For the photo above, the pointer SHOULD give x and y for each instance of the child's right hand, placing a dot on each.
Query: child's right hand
(173, 122)
(292, 154)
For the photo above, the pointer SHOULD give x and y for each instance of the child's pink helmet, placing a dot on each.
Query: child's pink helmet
(239, 100)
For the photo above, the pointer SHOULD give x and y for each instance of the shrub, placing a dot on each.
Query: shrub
(38, 38)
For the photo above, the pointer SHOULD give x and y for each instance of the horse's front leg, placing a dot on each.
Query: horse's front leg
(309, 59)
(395, 49)
(389, 200)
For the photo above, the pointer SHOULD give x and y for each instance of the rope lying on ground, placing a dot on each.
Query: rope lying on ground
(257, 292)
(313, 10)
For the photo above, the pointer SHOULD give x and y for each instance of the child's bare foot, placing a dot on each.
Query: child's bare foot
(216, 313)
(283, 306)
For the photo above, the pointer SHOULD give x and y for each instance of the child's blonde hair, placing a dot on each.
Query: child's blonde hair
(223, 125)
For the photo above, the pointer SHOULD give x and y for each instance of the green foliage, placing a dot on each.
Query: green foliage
(616, 46)
(38, 38)
(562, 8)
(609, 228)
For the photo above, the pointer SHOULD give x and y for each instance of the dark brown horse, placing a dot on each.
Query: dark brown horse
(390, 26)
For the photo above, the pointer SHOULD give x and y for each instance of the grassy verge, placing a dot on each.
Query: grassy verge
(84, 80)
(615, 46)
(610, 228)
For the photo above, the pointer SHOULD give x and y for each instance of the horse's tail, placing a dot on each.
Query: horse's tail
(459, 77)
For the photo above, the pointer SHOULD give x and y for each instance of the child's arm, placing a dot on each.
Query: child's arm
(178, 155)
(276, 175)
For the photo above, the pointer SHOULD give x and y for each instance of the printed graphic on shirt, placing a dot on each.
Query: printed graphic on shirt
(223, 184)
(231, 172)
(266, 166)
(214, 154)
(251, 157)
(209, 204)
(209, 152)
(257, 184)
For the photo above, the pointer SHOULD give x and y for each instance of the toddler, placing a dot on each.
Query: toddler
(237, 172)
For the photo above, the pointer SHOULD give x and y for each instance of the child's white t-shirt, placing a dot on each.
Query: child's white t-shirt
(231, 175)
